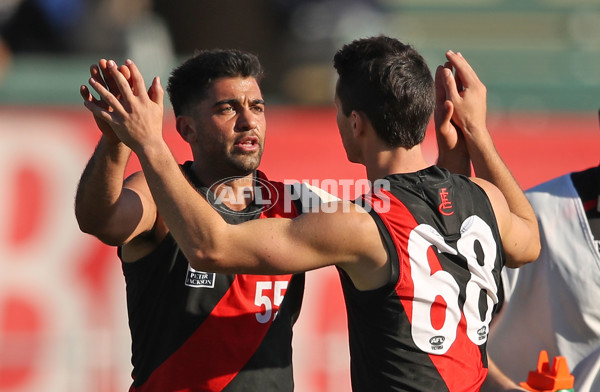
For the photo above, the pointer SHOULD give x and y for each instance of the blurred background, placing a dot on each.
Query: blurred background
(533, 55)
(63, 324)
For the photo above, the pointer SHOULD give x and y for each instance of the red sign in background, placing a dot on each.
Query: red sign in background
(63, 324)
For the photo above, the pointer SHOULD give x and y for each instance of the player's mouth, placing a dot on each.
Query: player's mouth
(247, 144)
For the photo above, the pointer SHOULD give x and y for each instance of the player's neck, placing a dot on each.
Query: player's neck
(235, 190)
(393, 161)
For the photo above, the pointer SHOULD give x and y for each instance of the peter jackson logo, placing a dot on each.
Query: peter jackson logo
(199, 278)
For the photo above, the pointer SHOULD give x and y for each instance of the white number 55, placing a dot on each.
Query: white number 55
(263, 299)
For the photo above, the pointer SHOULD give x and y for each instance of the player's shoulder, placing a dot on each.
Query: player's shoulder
(490, 189)
(495, 197)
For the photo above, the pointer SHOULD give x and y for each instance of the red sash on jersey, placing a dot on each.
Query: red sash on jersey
(211, 365)
(463, 354)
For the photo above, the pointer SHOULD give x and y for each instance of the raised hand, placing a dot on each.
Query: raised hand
(467, 94)
(452, 148)
(134, 114)
(100, 75)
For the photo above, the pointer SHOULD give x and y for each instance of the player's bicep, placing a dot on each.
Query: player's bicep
(518, 239)
(518, 242)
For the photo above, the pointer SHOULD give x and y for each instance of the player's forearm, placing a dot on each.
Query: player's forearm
(192, 221)
(497, 381)
(458, 163)
(488, 164)
(100, 186)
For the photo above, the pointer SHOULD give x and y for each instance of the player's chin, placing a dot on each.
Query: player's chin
(248, 162)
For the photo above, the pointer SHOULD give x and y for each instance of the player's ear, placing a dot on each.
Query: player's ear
(187, 128)
(358, 123)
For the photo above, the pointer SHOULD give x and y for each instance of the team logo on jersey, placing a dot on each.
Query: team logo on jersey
(437, 342)
(445, 206)
(195, 278)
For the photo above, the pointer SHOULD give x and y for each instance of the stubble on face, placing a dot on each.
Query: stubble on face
(231, 127)
(243, 161)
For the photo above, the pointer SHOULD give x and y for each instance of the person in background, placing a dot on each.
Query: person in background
(193, 330)
(419, 256)
(52, 28)
(552, 304)
(37, 26)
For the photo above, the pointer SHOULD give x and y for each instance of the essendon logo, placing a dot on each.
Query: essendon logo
(445, 206)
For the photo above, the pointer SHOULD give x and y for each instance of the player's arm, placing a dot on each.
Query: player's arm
(347, 236)
(520, 237)
(516, 219)
(497, 381)
(106, 206)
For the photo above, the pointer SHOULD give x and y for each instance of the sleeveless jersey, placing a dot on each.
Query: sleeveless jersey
(426, 329)
(197, 331)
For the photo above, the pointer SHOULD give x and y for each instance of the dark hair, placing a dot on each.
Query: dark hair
(391, 83)
(189, 82)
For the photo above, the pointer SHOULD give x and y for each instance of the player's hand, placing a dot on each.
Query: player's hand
(467, 95)
(100, 75)
(134, 114)
(452, 148)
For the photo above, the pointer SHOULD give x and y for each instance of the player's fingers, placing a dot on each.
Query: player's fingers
(126, 72)
(97, 74)
(464, 71)
(451, 66)
(457, 80)
(85, 93)
(464, 61)
(445, 132)
(111, 83)
(98, 112)
(448, 111)
(156, 91)
(471, 72)
(137, 81)
(440, 88)
(105, 95)
(122, 84)
(442, 116)
(87, 96)
(449, 83)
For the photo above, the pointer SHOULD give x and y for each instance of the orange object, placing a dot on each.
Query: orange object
(545, 379)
